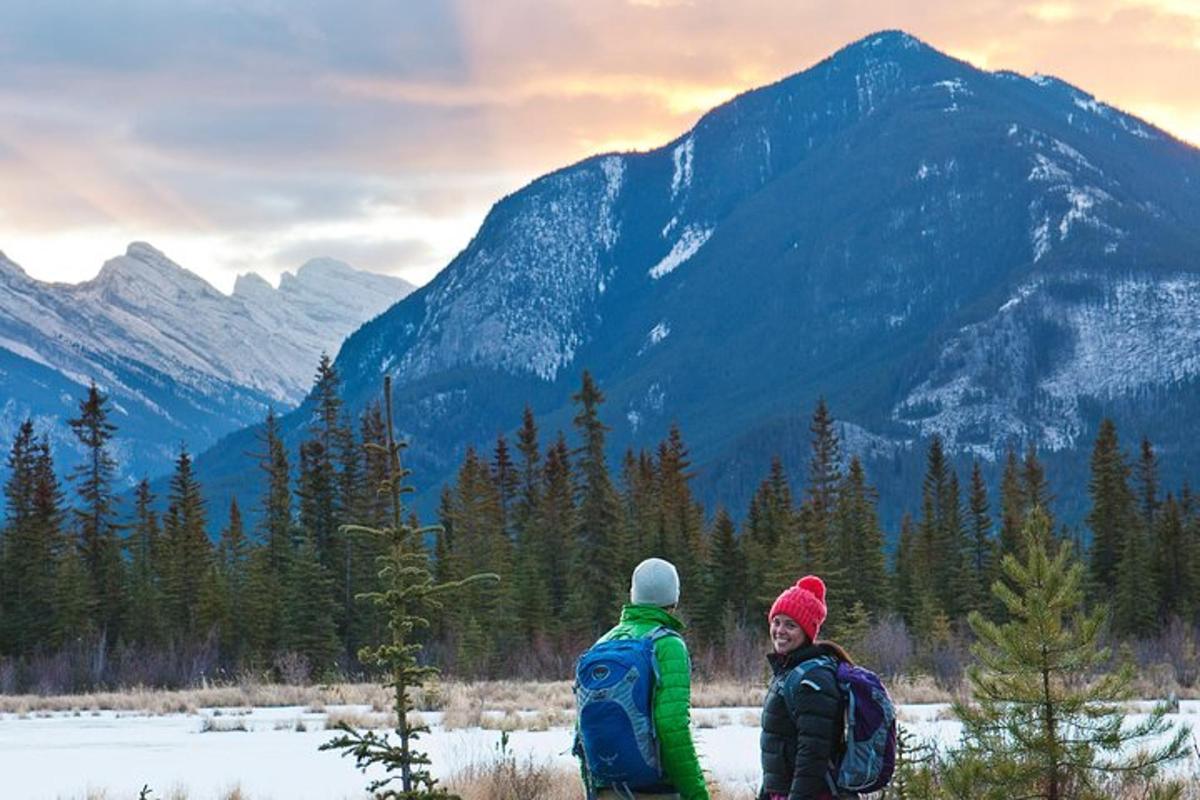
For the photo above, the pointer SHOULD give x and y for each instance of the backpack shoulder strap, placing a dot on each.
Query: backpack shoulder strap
(662, 632)
(656, 635)
(797, 675)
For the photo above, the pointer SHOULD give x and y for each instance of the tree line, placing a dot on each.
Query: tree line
(95, 594)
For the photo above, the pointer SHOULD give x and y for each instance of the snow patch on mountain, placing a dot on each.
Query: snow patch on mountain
(681, 156)
(659, 332)
(550, 247)
(1117, 338)
(1066, 197)
(688, 244)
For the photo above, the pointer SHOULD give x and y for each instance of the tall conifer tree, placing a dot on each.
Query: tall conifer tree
(594, 596)
(96, 516)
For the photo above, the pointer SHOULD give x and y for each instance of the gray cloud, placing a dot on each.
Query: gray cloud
(413, 37)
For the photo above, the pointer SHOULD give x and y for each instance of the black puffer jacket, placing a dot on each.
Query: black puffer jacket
(801, 726)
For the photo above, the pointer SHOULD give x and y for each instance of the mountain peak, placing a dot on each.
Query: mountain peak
(893, 39)
(251, 284)
(145, 264)
(11, 269)
(323, 266)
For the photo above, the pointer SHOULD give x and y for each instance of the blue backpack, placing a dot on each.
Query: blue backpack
(614, 691)
(868, 757)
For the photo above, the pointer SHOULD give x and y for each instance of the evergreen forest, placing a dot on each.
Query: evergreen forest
(97, 591)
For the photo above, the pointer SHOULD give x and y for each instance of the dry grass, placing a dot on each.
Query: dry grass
(499, 705)
(508, 779)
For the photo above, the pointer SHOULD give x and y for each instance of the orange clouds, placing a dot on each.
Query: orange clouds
(258, 127)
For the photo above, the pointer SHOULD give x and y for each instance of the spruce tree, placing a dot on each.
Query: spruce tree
(982, 561)
(1123, 555)
(276, 518)
(1012, 506)
(234, 567)
(32, 542)
(188, 555)
(409, 596)
(556, 518)
(1050, 724)
(594, 595)
(680, 517)
(15, 540)
(145, 552)
(774, 551)
(1035, 487)
(859, 547)
(824, 466)
(1174, 563)
(483, 618)
(309, 628)
(96, 518)
(725, 580)
(1147, 476)
(908, 579)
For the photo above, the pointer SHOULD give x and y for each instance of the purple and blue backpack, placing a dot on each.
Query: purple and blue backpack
(869, 739)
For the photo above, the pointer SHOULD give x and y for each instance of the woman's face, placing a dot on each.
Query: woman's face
(786, 634)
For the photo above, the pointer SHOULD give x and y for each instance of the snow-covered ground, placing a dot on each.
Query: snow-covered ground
(113, 754)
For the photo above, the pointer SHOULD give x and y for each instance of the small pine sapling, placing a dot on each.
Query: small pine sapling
(410, 595)
(1044, 720)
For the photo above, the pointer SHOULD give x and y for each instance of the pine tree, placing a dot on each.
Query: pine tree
(234, 560)
(556, 517)
(982, 561)
(410, 594)
(594, 597)
(1035, 489)
(1174, 563)
(14, 542)
(479, 545)
(859, 548)
(97, 517)
(680, 517)
(188, 551)
(1112, 516)
(276, 517)
(31, 545)
(1148, 484)
(145, 552)
(824, 466)
(908, 580)
(1012, 506)
(725, 580)
(774, 553)
(309, 629)
(316, 500)
(1051, 735)
(941, 544)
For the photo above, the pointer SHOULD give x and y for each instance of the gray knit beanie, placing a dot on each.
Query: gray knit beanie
(655, 582)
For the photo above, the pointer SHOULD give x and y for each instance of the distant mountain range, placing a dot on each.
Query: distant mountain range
(181, 361)
(934, 248)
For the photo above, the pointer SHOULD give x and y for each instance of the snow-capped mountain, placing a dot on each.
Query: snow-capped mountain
(934, 248)
(181, 361)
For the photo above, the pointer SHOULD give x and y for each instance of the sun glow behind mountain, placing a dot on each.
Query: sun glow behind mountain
(256, 138)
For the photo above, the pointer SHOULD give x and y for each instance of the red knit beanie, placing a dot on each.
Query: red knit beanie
(805, 603)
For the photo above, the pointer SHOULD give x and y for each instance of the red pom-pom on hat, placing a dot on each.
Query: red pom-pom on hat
(813, 584)
(805, 603)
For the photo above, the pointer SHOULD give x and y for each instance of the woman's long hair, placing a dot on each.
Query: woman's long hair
(835, 649)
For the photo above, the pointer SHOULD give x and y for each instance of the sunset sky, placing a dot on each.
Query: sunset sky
(252, 135)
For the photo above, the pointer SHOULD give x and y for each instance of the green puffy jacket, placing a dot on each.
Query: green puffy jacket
(672, 696)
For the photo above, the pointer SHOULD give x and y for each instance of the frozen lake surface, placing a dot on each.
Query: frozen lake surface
(65, 756)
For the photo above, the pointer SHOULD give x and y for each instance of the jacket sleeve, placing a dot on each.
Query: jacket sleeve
(817, 711)
(673, 717)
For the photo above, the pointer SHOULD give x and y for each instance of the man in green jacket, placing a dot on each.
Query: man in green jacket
(654, 593)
